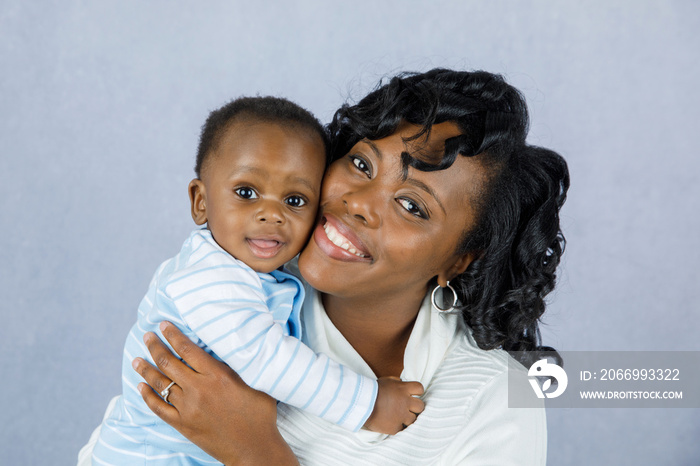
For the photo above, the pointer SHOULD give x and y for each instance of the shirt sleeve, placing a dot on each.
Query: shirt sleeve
(495, 434)
(222, 302)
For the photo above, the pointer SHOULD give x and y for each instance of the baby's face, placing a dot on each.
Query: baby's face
(259, 192)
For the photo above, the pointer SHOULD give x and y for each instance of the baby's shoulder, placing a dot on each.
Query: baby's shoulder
(202, 261)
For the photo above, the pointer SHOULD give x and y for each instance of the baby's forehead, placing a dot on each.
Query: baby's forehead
(268, 140)
(241, 126)
(269, 160)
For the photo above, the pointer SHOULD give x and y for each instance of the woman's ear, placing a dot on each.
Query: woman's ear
(198, 201)
(460, 265)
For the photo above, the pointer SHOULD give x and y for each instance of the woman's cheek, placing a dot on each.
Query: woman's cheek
(334, 182)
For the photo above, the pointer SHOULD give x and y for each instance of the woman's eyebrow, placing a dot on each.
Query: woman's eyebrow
(412, 181)
(419, 184)
(374, 148)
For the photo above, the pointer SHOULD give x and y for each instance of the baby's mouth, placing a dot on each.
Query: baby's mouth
(264, 248)
(264, 243)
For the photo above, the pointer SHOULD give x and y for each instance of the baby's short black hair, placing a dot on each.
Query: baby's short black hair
(266, 109)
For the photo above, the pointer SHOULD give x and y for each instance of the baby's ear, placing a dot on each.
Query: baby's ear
(198, 201)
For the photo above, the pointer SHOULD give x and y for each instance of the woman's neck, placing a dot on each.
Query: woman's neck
(378, 330)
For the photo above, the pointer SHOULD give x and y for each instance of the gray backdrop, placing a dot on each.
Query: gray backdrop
(101, 105)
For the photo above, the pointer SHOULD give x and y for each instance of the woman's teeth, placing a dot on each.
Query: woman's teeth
(341, 241)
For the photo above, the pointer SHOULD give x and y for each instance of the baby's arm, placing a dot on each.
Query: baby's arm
(293, 373)
(233, 321)
(396, 407)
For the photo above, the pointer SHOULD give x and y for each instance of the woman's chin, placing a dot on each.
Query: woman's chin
(309, 267)
(318, 269)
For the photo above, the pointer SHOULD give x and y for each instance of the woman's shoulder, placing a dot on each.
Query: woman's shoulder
(470, 376)
(477, 384)
(483, 364)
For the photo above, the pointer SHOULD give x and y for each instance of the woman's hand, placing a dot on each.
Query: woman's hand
(210, 404)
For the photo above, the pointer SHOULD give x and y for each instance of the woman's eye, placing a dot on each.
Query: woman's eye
(295, 201)
(411, 207)
(361, 165)
(246, 193)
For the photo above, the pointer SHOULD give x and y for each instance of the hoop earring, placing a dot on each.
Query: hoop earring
(454, 298)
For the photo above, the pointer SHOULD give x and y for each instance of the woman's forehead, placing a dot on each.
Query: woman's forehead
(431, 142)
(411, 141)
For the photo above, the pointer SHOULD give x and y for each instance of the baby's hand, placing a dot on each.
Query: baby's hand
(396, 407)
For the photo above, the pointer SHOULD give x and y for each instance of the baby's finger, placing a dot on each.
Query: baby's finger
(416, 405)
(414, 388)
(409, 419)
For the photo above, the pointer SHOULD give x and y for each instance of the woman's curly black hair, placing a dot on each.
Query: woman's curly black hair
(517, 238)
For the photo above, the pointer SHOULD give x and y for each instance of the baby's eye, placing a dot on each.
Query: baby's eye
(246, 193)
(411, 207)
(295, 201)
(361, 165)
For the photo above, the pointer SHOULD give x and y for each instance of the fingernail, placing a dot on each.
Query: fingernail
(141, 387)
(163, 325)
(135, 363)
(147, 337)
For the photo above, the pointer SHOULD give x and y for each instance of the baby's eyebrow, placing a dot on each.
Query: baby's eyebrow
(249, 169)
(292, 179)
(304, 181)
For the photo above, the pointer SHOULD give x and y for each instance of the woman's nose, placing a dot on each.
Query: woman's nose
(270, 212)
(362, 205)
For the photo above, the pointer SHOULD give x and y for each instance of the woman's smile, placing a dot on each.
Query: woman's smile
(339, 242)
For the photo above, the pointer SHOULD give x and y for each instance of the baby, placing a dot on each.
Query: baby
(259, 169)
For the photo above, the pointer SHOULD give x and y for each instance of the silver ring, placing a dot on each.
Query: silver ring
(165, 393)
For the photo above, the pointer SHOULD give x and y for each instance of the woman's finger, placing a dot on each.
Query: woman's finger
(167, 362)
(151, 374)
(193, 355)
(156, 404)
(156, 380)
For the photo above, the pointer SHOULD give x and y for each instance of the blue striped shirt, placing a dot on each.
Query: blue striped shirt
(249, 320)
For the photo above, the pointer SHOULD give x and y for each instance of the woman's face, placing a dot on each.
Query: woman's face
(381, 234)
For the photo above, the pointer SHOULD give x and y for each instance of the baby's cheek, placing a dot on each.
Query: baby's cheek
(300, 235)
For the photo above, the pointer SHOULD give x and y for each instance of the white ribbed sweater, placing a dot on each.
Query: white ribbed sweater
(466, 419)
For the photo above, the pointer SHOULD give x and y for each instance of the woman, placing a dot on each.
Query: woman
(432, 188)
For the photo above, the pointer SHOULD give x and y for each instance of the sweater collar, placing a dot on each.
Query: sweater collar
(433, 335)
